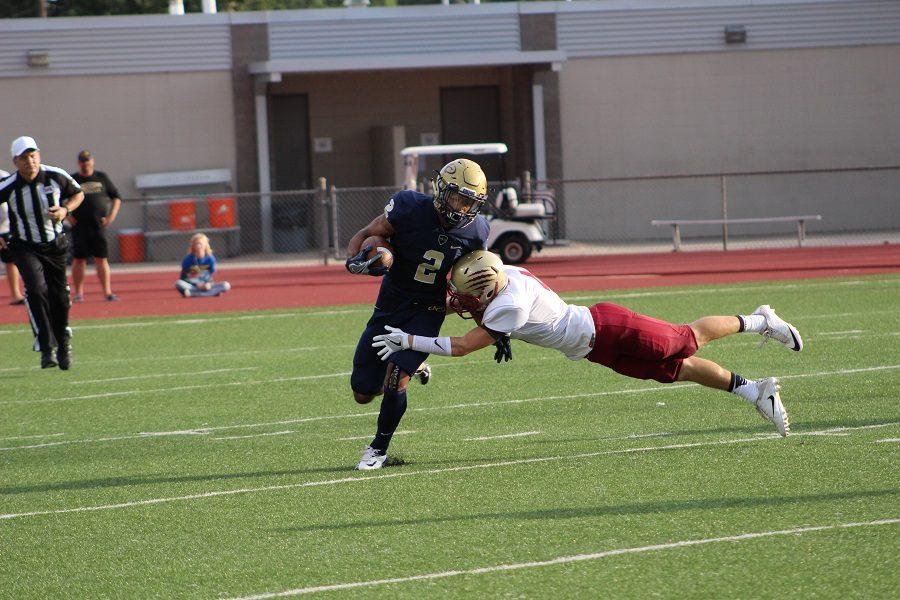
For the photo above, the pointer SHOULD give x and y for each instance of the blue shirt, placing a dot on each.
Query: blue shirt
(424, 252)
(198, 270)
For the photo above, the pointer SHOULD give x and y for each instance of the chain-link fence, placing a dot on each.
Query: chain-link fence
(731, 210)
(707, 211)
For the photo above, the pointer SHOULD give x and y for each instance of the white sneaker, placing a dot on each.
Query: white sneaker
(779, 329)
(769, 406)
(371, 459)
(423, 374)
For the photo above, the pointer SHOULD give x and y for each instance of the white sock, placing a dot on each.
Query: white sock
(753, 323)
(749, 391)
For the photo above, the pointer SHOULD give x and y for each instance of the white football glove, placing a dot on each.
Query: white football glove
(394, 341)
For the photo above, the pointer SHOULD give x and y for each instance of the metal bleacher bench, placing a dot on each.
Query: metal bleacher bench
(232, 237)
(678, 223)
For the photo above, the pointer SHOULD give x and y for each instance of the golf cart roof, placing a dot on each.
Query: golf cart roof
(491, 148)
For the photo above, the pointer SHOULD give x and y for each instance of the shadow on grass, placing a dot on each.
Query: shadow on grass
(645, 508)
(796, 427)
(134, 480)
(138, 480)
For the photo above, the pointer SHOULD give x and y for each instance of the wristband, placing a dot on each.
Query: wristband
(430, 345)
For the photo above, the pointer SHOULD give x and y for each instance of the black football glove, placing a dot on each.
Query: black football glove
(360, 265)
(504, 349)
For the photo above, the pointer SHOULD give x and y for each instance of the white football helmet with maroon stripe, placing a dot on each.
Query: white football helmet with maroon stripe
(476, 279)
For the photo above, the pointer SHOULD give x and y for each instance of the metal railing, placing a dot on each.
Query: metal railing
(857, 205)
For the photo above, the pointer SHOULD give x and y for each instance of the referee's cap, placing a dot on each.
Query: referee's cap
(22, 145)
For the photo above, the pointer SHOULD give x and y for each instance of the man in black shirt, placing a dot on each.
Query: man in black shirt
(89, 222)
(39, 197)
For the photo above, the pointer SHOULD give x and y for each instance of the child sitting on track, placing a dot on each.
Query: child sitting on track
(197, 270)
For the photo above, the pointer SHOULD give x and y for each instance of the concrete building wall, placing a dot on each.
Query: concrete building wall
(687, 114)
(133, 124)
(345, 107)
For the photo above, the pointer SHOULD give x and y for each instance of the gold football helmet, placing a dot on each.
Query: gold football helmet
(460, 189)
(475, 280)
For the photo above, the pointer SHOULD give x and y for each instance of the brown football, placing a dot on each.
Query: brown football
(379, 244)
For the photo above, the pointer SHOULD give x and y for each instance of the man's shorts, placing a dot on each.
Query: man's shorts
(5, 256)
(639, 346)
(368, 368)
(89, 242)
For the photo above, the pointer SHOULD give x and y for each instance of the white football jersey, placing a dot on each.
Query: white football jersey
(532, 312)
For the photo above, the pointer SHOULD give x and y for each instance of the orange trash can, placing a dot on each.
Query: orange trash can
(221, 212)
(182, 215)
(131, 245)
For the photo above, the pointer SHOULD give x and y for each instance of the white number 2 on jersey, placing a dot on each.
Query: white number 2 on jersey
(427, 271)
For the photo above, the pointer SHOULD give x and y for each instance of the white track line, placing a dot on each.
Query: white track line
(164, 375)
(396, 474)
(500, 437)
(562, 560)
(655, 388)
(255, 435)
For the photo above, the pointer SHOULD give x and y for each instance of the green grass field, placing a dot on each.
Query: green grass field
(212, 457)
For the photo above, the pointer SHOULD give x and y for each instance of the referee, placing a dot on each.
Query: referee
(39, 198)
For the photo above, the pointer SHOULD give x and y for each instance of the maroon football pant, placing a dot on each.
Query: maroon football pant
(639, 346)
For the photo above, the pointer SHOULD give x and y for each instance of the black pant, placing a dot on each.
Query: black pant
(43, 269)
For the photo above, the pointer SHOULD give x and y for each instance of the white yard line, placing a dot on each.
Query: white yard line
(842, 332)
(603, 294)
(243, 437)
(396, 474)
(31, 437)
(882, 440)
(164, 375)
(195, 321)
(368, 437)
(562, 560)
(456, 363)
(177, 357)
(500, 437)
(655, 388)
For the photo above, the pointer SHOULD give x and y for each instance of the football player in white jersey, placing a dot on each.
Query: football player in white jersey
(507, 300)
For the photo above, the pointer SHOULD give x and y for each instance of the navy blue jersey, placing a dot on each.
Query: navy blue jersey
(423, 251)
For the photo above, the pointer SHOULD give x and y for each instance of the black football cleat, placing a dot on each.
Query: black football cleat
(64, 356)
(47, 360)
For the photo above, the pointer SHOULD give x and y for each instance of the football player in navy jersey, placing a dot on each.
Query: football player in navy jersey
(428, 234)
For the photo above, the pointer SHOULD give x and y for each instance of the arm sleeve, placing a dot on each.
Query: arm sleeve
(398, 210)
(68, 187)
(111, 190)
(185, 267)
(504, 319)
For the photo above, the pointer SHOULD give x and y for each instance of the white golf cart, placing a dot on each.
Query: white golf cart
(516, 227)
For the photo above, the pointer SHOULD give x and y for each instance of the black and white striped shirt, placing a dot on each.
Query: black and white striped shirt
(29, 201)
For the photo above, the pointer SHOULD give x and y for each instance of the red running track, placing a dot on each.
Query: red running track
(274, 287)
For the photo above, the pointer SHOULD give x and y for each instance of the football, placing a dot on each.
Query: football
(379, 244)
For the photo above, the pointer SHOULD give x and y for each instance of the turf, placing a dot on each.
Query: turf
(608, 463)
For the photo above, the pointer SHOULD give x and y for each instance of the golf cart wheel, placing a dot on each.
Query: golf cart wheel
(513, 248)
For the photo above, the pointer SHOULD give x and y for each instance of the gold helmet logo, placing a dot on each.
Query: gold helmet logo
(460, 189)
(475, 280)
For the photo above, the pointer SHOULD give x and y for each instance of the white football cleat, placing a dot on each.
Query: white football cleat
(769, 406)
(779, 329)
(371, 459)
(423, 374)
